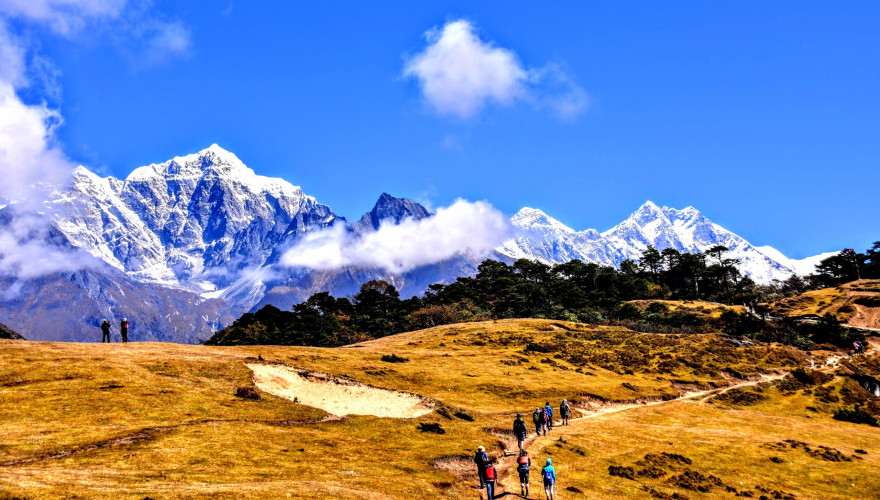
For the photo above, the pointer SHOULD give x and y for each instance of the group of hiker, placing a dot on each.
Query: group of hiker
(105, 330)
(858, 347)
(543, 420)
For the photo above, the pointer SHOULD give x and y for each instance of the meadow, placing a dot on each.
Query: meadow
(659, 415)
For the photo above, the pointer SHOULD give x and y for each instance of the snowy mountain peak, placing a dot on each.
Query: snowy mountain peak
(213, 162)
(686, 230)
(533, 218)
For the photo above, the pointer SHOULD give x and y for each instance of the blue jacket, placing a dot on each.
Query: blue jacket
(548, 469)
(481, 459)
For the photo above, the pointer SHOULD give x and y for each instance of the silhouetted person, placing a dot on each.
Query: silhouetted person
(565, 411)
(482, 461)
(548, 416)
(105, 329)
(123, 329)
(520, 430)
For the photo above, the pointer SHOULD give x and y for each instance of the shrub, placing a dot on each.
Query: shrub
(464, 416)
(656, 308)
(247, 393)
(394, 358)
(434, 428)
(855, 416)
(627, 311)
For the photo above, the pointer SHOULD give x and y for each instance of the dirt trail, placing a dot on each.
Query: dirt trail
(337, 396)
(506, 466)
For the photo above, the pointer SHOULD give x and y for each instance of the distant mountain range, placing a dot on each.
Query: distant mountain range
(183, 247)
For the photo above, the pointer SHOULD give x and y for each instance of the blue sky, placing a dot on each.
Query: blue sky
(763, 115)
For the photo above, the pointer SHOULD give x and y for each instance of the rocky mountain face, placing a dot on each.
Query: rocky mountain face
(390, 210)
(183, 247)
(7, 333)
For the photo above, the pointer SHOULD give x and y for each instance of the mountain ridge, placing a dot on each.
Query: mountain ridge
(205, 228)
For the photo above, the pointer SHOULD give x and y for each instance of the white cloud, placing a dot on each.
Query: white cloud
(25, 254)
(463, 228)
(63, 16)
(28, 155)
(31, 160)
(146, 37)
(460, 74)
(168, 39)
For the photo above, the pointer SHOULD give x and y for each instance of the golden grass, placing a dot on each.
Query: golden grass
(192, 438)
(857, 303)
(709, 310)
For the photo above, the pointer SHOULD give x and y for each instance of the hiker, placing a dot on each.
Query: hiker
(520, 430)
(490, 482)
(522, 466)
(857, 347)
(105, 329)
(548, 473)
(123, 329)
(548, 415)
(538, 418)
(564, 411)
(482, 460)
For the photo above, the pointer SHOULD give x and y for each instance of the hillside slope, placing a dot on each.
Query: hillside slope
(856, 303)
(7, 333)
(162, 421)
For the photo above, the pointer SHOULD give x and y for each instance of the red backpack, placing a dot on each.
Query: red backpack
(490, 473)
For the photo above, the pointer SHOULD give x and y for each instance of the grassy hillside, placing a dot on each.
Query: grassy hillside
(707, 310)
(163, 421)
(857, 303)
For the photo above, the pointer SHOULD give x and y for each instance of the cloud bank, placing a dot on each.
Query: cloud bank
(459, 74)
(464, 228)
(31, 159)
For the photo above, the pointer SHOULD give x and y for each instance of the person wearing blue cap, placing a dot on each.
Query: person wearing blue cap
(548, 473)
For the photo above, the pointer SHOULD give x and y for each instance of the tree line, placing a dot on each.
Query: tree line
(573, 291)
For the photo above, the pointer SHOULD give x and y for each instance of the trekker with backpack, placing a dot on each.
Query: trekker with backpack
(123, 330)
(105, 331)
(523, 462)
(548, 474)
(520, 430)
(490, 482)
(482, 461)
(564, 411)
(548, 415)
(538, 418)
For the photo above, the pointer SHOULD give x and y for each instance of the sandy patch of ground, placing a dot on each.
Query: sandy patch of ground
(337, 396)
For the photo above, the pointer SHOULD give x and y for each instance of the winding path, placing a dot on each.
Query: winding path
(506, 466)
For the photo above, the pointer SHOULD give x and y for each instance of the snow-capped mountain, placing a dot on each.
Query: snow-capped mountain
(185, 246)
(544, 238)
(801, 267)
(195, 221)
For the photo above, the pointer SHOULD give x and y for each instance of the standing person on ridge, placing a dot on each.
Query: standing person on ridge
(123, 330)
(564, 411)
(538, 418)
(548, 475)
(105, 330)
(482, 460)
(548, 415)
(520, 430)
(522, 467)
